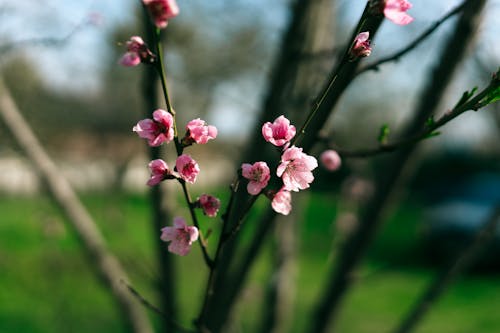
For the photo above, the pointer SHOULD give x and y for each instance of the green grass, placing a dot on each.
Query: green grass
(46, 284)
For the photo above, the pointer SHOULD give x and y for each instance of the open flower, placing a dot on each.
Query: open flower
(187, 168)
(361, 46)
(137, 52)
(295, 169)
(279, 132)
(180, 236)
(159, 171)
(209, 204)
(282, 202)
(161, 11)
(394, 10)
(258, 175)
(330, 160)
(198, 131)
(157, 130)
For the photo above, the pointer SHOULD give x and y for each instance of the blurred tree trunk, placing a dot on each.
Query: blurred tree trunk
(104, 263)
(157, 197)
(370, 217)
(295, 78)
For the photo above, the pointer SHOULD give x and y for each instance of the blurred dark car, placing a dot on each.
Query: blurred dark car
(456, 212)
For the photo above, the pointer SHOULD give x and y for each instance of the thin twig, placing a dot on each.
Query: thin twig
(155, 309)
(429, 130)
(397, 55)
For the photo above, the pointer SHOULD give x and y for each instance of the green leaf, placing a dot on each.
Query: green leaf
(492, 96)
(383, 134)
(465, 97)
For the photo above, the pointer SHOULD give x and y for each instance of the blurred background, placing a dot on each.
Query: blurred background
(59, 61)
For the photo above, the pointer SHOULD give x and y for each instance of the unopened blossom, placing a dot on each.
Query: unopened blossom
(330, 159)
(137, 52)
(159, 171)
(198, 131)
(187, 168)
(161, 11)
(361, 46)
(296, 169)
(158, 130)
(209, 204)
(279, 132)
(394, 10)
(282, 202)
(258, 176)
(180, 236)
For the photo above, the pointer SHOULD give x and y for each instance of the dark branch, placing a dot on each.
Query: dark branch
(396, 56)
(155, 309)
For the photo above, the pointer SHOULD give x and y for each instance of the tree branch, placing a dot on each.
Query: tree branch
(397, 55)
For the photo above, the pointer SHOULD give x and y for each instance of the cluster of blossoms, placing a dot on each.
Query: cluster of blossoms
(295, 168)
(161, 129)
(393, 10)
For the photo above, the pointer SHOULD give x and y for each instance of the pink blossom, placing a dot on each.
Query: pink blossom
(282, 202)
(209, 204)
(330, 160)
(279, 132)
(180, 236)
(187, 168)
(295, 169)
(394, 10)
(361, 46)
(157, 130)
(258, 175)
(137, 52)
(159, 171)
(198, 131)
(161, 11)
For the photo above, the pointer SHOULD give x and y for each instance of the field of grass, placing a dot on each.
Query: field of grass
(46, 284)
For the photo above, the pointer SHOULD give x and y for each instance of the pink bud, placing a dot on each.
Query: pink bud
(180, 236)
(282, 202)
(161, 11)
(159, 171)
(158, 130)
(198, 131)
(394, 10)
(137, 52)
(209, 204)
(361, 46)
(258, 175)
(279, 132)
(330, 160)
(187, 168)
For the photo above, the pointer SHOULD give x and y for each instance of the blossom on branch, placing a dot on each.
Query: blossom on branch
(361, 46)
(296, 169)
(198, 131)
(279, 132)
(394, 10)
(180, 236)
(282, 202)
(209, 204)
(330, 160)
(158, 130)
(187, 168)
(258, 175)
(159, 171)
(137, 52)
(161, 11)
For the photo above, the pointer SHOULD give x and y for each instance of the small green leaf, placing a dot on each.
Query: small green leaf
(430, 121)
(432, 134)
(383, 134)
(492, 96)
(465, 97)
